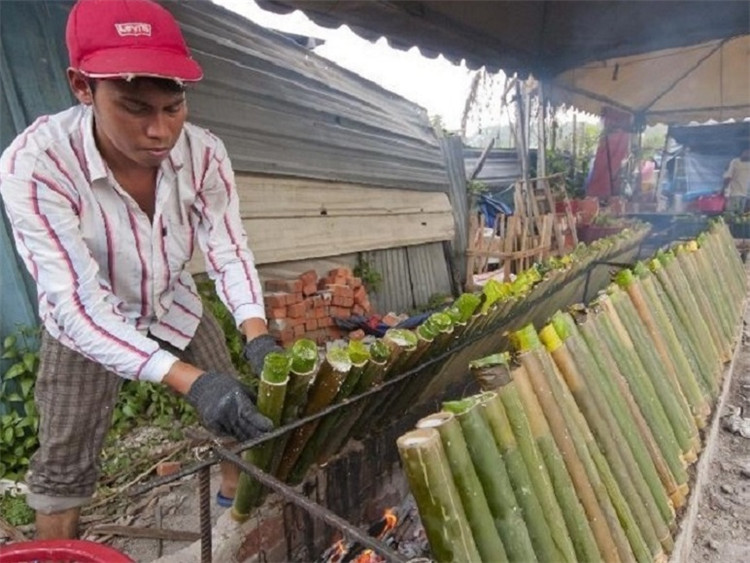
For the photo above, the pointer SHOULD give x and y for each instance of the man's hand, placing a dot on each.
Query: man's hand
(257, 349)
(225, 407)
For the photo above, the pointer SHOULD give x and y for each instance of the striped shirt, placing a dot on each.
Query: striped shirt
(106, 275)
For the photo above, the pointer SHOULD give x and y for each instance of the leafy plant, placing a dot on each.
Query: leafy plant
(15, 510)
(371, 278)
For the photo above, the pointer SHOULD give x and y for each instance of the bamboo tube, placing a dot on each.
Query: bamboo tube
(304, 366)
(493, 475)
(478, 515)
(623, 350)
(359, 355)
(550, 388)
(570, 529)
(438, 501)
(651, 348)
(675, 406)
(620, 426)
(600, 339)
(372, 376)
(547, 546)
(706, 366)
(591, 536)
(332, 373)
(720, 295)
(640, 507)
(271, 392)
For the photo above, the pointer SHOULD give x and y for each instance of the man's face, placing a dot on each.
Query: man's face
(136, 123)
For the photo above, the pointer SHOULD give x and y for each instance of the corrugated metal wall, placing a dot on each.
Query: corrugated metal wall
(453, 154)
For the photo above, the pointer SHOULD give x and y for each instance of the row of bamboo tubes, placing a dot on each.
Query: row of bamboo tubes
(578, 447)
(300, 383)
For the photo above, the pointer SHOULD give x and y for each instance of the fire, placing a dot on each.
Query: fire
(390, 520)
(339, 550)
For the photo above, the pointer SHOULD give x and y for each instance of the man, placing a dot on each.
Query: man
(106, 201)
(737, 183)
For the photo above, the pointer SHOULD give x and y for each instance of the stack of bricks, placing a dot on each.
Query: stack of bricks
(305, 307)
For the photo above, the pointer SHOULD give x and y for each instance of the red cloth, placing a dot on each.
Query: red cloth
(614, 147)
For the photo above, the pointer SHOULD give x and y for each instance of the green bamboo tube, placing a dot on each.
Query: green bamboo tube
(696, 301)
(621, 428)
(687, 369)
(359, 355)
(571, 501)
(709, 298)
(723, 249)
(696, 327)
(371, 377)
(478, 515)
(675, 406)
(271, 392)
(547, 546)
(548, 386)
(600, 337)
(304, 366)
(719, 295)
(461, 311)
(623, 349)
(437, 498)
(570, 529)
(493, 475)
(652, 348)
(332, 373)
(707, 366)
(640, 509)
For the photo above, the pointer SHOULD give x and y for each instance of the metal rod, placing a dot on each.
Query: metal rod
(204, 491)
(309, 506)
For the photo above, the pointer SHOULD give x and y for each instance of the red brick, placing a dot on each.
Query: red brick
(348, 301)
(358, 334)
(276, 313)
(342, 271)
(311, 324)
(340, 312)
(299, 330)
(366, 306)
(297, 310)
(360, 294)
(275, 299)
(356, 282)
(325, 322)
(358, 310)
(308, 277)
(168, 468)
(278, 325)
(310, 314)
(309, 289)
(320, 312)
(289, 286)
(334, 332)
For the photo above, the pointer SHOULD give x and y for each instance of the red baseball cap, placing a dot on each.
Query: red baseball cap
(126, 38)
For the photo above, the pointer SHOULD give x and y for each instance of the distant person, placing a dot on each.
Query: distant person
(737, 183)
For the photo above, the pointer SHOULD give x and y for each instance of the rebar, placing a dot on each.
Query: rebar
(204, 492)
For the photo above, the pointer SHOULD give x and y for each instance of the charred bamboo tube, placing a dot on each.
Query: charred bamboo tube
(599, 335)
(602, 516)
(675, 406)
(371, 377)
(706, 366)
(304, 365)
(495, 482)
(438, 501)
(640, 507)
(478, 515)
(332, 373)
(620, 428)
(583, 515)
(576, 542)
(664, 357)
(271, 392)
(359, 355)
(547, 546)
(687, 369)
(623, 349)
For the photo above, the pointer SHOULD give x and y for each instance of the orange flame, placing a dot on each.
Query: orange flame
(390, 521)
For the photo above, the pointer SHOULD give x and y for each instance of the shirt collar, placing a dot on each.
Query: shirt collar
(98, 169)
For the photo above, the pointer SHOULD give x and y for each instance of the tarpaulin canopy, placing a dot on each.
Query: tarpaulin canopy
(543, 37)
(706, 81)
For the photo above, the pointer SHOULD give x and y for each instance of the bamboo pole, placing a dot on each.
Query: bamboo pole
(643, 511)
(271, 392)
(478, 515)
(438, 501)
(495, 481)
(547, 546)
(332, 373)
(715, 288)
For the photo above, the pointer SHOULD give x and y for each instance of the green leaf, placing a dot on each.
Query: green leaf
(29, 360)
(9, 341)
(10, 354)
(26, 387)
(15, 397)
(8, 435)
(15, 370)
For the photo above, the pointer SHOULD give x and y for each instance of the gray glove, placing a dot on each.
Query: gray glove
(257, 349)
(225, 407)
